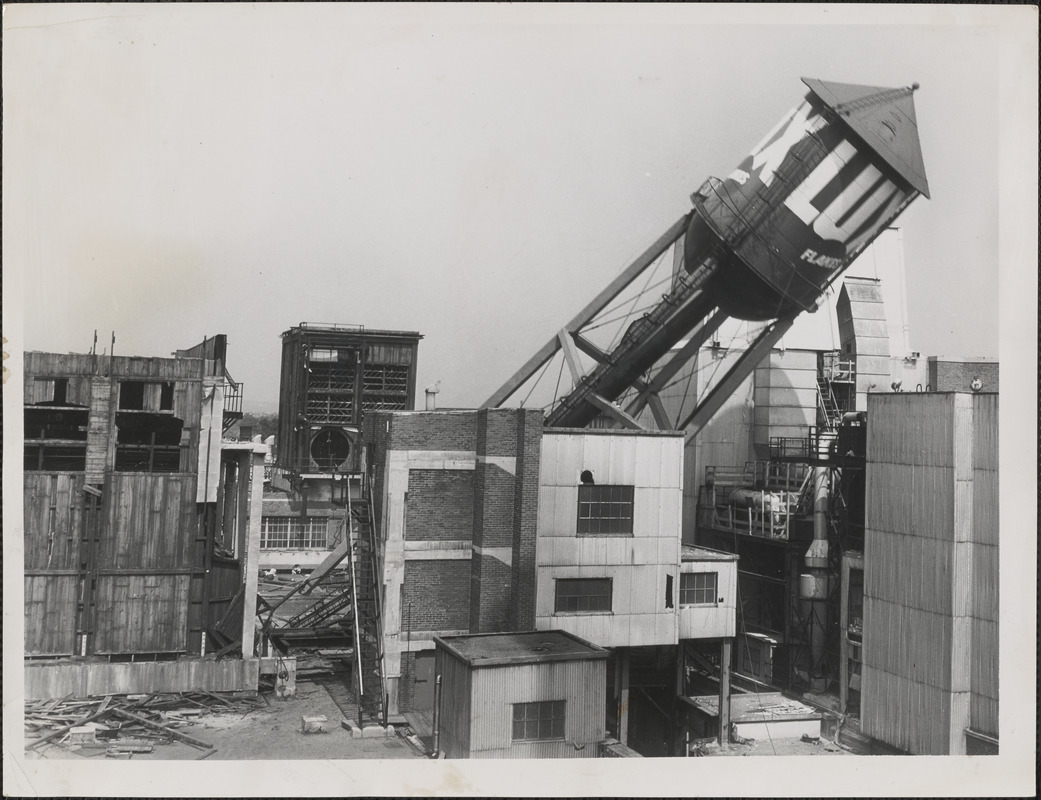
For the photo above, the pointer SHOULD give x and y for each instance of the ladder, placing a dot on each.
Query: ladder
(828, 413)
(365, 580)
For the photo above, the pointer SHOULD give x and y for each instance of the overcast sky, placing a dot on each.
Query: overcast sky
(477, 175)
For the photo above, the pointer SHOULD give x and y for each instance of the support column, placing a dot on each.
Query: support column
(251, 554)
(623, 696)
(724, 692)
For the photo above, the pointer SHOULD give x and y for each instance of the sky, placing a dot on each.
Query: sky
(475, 174)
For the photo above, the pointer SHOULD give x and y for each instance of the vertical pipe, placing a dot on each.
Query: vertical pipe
(437, 716)
(724, 692)
(623, 704)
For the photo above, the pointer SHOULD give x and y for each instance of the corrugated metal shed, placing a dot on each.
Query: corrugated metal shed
(485, 676)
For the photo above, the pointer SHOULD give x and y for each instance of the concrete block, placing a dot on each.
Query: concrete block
(313, 724)
(376, 732)
(83, 734)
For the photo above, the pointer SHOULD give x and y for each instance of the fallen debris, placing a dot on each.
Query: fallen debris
(119, 725)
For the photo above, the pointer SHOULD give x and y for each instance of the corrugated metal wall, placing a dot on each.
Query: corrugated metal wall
(983, 709)
(456, 702)
(864, 334)
(495, 689)
(930, 570)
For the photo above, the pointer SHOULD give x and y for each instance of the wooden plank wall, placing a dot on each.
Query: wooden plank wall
(146, 557)
(44, 681)
(53, 518)
(99, 430)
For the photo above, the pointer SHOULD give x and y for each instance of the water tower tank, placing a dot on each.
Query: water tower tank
(798, 210)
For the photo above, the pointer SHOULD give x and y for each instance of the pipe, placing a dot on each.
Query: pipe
(437, 716)
(813, 585)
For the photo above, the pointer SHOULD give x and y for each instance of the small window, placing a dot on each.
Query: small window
(578, 595)
(166, 391)
(698, 588)
(539, 721)
(605, 510)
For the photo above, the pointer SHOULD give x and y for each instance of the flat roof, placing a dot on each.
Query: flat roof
(612, 432)
(689, 552)
(530, 647)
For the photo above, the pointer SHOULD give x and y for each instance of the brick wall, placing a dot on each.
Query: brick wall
(407, 682)
(490, 591)
(440, 505)
(956, 376)
(439, 591)
(433, 430)
(525, 515)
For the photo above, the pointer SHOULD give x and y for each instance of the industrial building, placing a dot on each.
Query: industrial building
(331, 376)
(754, 495)
(142, 525)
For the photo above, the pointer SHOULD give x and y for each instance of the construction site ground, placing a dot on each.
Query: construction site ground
(270, 728)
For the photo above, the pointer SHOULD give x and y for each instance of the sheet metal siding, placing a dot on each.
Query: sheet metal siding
(906, 641)
(637, 564)
(785, 396)
(709, 622)
(910, 715)
(983, 709)
(456, 702)
(911, 428)
(495, 689)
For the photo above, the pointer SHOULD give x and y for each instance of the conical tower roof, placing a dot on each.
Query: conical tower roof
(884, 118)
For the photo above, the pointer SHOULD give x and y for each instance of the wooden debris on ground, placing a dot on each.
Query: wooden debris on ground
(117, 726)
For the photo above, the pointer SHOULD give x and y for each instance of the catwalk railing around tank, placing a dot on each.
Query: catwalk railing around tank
(728, 501)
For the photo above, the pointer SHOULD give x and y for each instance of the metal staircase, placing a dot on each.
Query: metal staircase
(368, 639)
(828, 412)
(323, 610)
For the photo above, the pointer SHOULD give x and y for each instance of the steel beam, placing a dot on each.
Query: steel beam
(735, 376)
(598, 304)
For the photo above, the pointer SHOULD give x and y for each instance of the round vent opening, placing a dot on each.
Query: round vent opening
(330, 449)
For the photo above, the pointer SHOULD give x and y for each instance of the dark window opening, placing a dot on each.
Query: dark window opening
(605, 510)
(698, 588)
(577, 595)
(539, 721)
(55, 458)
(43, 423)
(166, 396)
(668, 591)
(148, 443)
(61, 389)
(132, 395)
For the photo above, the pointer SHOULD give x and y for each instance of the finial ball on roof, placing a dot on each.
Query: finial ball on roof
(915, 86)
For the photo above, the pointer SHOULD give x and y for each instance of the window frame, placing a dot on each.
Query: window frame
(552, 713)
(619, 495)
(686, 591)
(312, 536)
(557, 609)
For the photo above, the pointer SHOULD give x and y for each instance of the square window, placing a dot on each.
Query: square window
(579, 595)
(698, 588)
(539, 721)
(605, 510)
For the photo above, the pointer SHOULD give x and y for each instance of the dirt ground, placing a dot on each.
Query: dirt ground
(272, 731)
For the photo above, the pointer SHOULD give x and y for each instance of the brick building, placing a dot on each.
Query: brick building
(488, 522)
